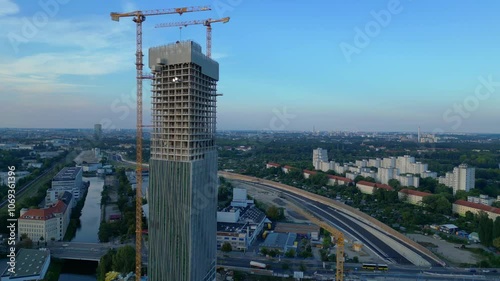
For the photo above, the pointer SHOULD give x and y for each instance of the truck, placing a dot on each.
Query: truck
(258, 264)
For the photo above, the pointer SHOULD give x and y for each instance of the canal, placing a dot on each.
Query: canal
(86, 233)
(91, 213)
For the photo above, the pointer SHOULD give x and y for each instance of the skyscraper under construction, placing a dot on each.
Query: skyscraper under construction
(183, 164)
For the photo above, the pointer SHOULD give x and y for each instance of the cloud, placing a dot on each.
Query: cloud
(218, 56)
(8, 8)
(83, 47)
(129, 6)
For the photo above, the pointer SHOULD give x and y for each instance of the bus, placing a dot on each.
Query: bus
(374, 266)
(369, 266)
(382, 267)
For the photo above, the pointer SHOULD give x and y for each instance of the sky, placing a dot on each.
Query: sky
(355, 65)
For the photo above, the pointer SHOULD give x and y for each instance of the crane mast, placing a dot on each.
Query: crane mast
(339, 239)
(139, 17)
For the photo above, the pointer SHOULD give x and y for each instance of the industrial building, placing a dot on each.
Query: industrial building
(282, 242)
(31, 265)
(241, 223)
(68, 179)
(183, 164)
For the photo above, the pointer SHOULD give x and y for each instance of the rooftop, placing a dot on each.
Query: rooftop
(376, 185)
(279, 240)
(415, 192)
(485, 208)
(45, 214)
(68, 173)
(29, 262)
(298, 228)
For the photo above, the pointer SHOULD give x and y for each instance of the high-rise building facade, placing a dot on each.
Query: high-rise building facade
(319, 155)
(97, 131)
(463, 177)
(183, 164)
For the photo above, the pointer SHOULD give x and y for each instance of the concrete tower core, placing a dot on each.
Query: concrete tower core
(183, 164)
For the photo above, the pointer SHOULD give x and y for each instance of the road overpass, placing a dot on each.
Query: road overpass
(383, 240)
(81, 251)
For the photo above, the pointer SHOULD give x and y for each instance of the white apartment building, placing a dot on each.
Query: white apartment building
(408, 180)
(482, 199)
(386, 174)
(319, 155)
(361, 163)
(374, 162)
(463, 177)
(388, 162)
(428, 174)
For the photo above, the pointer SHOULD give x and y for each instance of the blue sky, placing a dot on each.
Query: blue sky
(367, 65)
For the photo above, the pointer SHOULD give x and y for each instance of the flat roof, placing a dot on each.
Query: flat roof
(298, 228)
(29, 262)
(279, 240)
(449, 226)
(67, 173)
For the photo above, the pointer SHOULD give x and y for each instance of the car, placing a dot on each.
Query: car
(486, 270)
(494, 271)
(472, 270)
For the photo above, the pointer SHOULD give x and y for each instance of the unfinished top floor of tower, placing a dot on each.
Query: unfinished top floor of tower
(183, 101)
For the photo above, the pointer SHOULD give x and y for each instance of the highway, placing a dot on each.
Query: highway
(396, 272)
(346, 224)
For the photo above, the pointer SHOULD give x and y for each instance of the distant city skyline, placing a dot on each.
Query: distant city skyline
(381, 65)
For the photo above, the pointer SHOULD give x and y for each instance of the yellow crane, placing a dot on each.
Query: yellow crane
(139, 17)
(339, 239)
(207, 23)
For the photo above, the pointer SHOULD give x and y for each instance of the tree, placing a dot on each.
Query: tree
(25, 242)
(226, 247)
(124, 260)
(437, 203)
(461, 195)
(105, 265)
(319, 179)
(290, 253)
(264, 251)
(275, 213)
(485, 229)
(496, 228)
(496, 242)
(394, 183)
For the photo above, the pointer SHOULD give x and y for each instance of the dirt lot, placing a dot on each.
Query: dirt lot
(446, 249)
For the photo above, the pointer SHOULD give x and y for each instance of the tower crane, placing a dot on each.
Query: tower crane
(207, 23)
(339, 237)
(139, 17)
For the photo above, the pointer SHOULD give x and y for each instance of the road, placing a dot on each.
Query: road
(346, 224)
